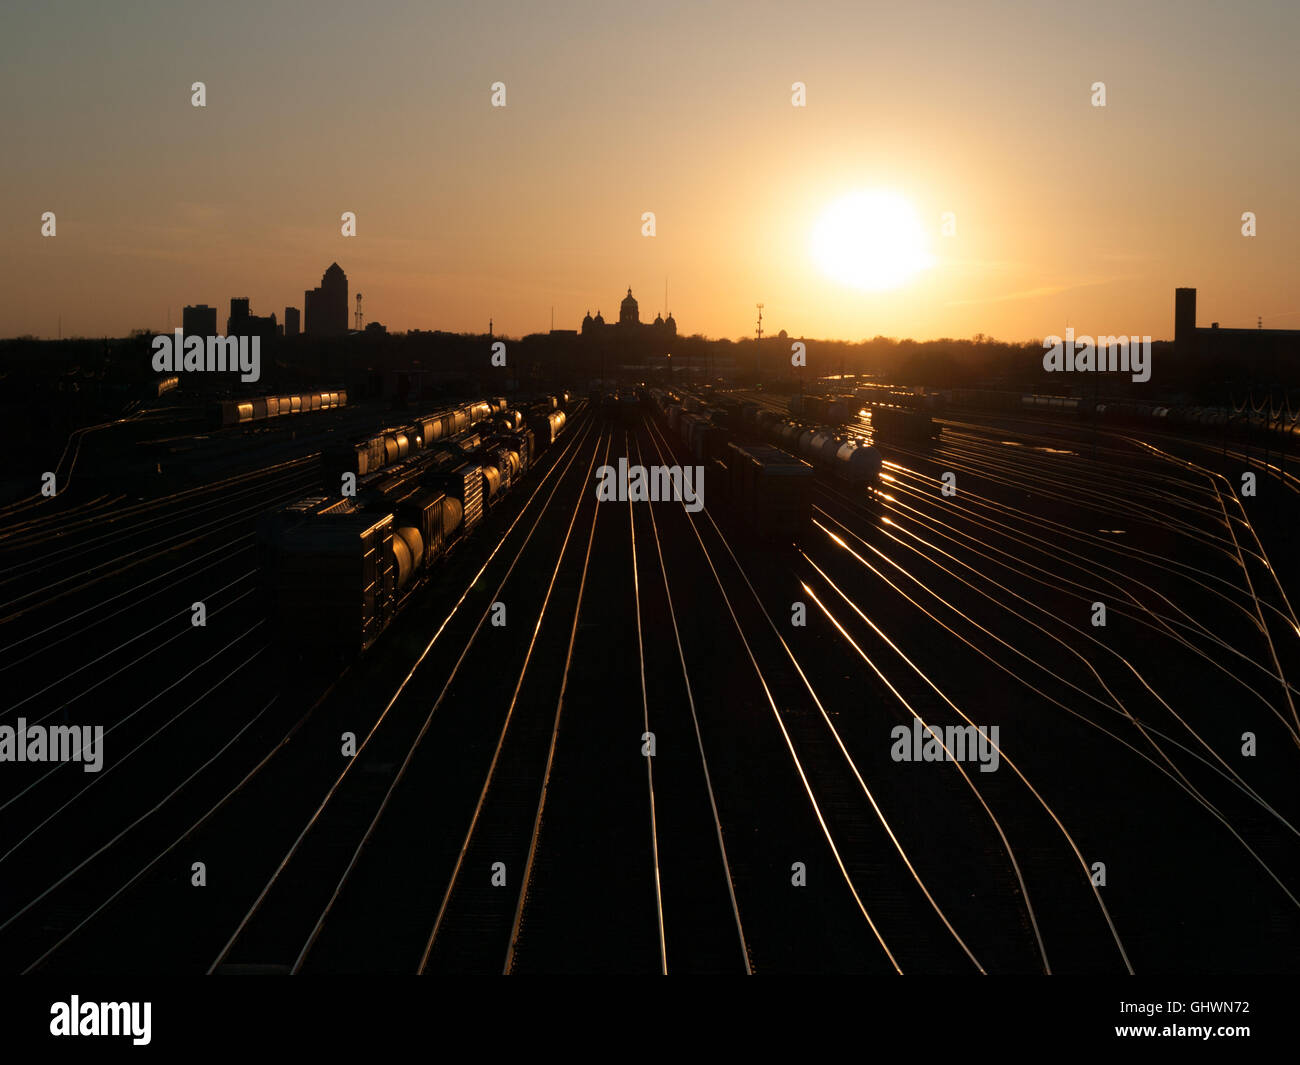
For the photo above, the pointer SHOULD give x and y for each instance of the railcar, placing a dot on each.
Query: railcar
(242, 411)
(338, 569)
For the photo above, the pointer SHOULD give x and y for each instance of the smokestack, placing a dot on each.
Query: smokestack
(1184, 321)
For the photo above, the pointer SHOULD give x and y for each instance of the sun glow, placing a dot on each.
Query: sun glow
(871, 240)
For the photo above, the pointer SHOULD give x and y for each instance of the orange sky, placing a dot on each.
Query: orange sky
(1067, 214)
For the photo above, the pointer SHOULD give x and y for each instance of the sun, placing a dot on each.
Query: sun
(871, 240)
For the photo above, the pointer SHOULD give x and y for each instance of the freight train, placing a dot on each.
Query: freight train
(899, 425)
(845, 457)
(895, 414)
(339, 568)
(618, 404)
(767, 490)
(706, 429)
(826, 410)
(260, 408)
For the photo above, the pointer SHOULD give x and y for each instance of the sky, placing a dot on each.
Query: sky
(1065, 214)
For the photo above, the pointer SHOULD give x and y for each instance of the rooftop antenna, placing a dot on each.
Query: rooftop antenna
(358, 316)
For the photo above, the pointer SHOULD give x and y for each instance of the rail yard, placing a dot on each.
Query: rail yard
(404, 692)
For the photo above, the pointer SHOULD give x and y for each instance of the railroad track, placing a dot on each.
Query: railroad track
(28, 926)
(499, 814)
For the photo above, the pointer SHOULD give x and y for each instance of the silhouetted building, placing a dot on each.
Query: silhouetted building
(629, 342)
(199, 321)
(629, 327)
(326, 307)
(291, 321)
(242, 323)
(1214, 343)
(1217, 359)
(239, 314)
(263, 327)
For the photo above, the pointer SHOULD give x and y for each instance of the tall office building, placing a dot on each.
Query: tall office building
(291, 321)
(237, 323)
(326, 307)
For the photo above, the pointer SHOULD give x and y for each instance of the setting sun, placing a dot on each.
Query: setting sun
(871, 240)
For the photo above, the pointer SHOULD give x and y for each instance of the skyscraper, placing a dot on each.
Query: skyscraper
(326, 307)
(237, 323)
(291, 321)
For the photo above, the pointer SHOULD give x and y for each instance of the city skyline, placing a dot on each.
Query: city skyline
(1064, 213)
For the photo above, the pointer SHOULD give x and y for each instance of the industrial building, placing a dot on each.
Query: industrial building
(1263, 350)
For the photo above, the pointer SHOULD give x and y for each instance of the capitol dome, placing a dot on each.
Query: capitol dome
(628, 313)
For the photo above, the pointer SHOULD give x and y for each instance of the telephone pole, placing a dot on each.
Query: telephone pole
(758, 345)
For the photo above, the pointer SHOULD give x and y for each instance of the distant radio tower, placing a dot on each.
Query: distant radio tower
(358, 312)
(758, 343)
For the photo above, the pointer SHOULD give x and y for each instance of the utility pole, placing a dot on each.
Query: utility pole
(758, 346)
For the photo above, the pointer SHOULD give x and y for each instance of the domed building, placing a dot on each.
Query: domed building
(629, 327)
(628, 314)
